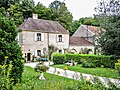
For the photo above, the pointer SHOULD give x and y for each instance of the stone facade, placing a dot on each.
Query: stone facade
(35, 36)
(29, 44)
(35, 43)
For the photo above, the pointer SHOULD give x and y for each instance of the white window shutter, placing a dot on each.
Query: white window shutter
(42, 36)
(35, 53)
(18, 37)
(62, 51)
(62, 38)
(35, 37)
(57, 38)
(42, 52)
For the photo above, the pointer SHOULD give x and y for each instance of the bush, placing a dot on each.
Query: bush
(98, 60)
(88, 64)
(41, 68)
(58, 58)
(74, 57)
(9, 47)
(5, 80)
(117, 66)
(92, 60)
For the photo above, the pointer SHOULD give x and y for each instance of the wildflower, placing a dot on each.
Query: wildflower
(65, 68)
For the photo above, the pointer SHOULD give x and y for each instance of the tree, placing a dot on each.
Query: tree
(60, 13)
(110, 13)
(75, 25)
(26, 8)
(42, 11)
(15, 11)
(10, 48)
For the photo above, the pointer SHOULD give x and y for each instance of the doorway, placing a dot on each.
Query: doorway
(28, 57)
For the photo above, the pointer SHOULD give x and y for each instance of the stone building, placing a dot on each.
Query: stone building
(85, 38)
(36, 35)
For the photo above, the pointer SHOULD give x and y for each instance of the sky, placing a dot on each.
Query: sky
(78, 8)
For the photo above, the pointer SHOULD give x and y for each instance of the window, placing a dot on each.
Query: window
(38, 52)
(60, 38)
(38, 36)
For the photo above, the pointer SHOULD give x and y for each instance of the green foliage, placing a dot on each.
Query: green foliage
(52, 49)
(61, 14)
(110, 15)
(87, 64)
(90, 60)
(75, 25)
(58, 58)
(5, 80)
(117, 66)
(74, 57)
(98, 60)
(42, 11)
(26, 8)
(54, 82)
(9, 47)
(16, 12)
(41, 68)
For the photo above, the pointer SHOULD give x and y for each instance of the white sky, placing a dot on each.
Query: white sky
(78, 8)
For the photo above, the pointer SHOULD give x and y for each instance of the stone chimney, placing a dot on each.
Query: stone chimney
(34, 16)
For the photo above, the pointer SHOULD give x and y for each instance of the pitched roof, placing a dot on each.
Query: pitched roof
(79, 41)
(43, 26)
(94, 29)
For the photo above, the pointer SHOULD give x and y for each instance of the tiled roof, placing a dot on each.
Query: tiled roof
(43, 26)
(79, 41)
(94, 29)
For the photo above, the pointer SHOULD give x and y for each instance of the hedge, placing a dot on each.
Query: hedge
(58, 58)
(74, 57)
(97, 60)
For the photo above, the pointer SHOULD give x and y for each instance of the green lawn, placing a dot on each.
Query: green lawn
(104, 72)
(30, 81)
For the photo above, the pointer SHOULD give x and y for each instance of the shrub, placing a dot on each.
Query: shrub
(58, 58)
(88, 64)
(98, 60)
(92, 60)
(74, 57)
(117, 66)
(9, 47)
(41, 68)
(5, 80)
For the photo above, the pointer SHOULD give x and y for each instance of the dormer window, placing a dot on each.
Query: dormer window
(38, 36)
(60, 38)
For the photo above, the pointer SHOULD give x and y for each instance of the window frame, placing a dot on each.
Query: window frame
(39, 37)
(59, 38)
(38, 52)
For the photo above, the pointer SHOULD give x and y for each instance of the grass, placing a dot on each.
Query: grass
(104, 72)
(30, 81)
